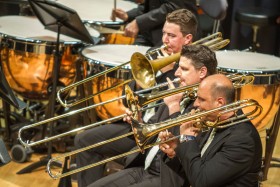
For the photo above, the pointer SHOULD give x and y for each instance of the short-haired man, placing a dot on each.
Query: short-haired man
(221, 157)
(179, 29)
(192, 69)
(145, 22)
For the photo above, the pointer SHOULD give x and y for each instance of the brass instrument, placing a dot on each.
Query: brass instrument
(143, 132)
(73, 131)
(133, 99)
(140, 63)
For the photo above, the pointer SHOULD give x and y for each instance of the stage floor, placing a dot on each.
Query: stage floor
(40, 177)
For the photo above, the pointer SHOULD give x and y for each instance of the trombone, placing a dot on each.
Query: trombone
(133, 99)
(143, 132)
(136, 99)
(214, 42)
(55, 118)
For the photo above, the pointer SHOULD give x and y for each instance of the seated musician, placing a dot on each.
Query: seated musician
(145, 22)
(179, 30)
(220, 157)
(195, 64)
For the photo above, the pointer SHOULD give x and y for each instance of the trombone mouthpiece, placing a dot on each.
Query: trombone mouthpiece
(176, 81)
(164, 46)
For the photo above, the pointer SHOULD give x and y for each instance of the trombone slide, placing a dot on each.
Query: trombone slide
(143, 132)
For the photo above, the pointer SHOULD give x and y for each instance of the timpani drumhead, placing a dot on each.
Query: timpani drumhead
(97, 10)
(29, 28)
(101, 58)
(112, 55)
(248, 62)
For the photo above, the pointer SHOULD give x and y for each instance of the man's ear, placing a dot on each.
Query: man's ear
(203, 72)
(188, 39)
(221, 101)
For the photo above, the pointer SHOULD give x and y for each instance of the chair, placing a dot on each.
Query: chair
(216, 9)
(256, 17)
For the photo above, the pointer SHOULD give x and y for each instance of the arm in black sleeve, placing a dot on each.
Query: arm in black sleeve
(229, 158)
(133, 13)
(156, 17)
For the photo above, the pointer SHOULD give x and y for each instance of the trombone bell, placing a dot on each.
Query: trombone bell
(144, 70)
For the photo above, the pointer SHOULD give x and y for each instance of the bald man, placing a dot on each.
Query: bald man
(219, 157)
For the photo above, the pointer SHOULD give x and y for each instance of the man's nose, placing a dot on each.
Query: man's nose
(165, 39)
(177, 73)
(196, 104)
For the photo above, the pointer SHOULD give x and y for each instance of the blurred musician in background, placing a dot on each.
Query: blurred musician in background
(179, 29)
(145, 22)
(220, 157)
(19, 7)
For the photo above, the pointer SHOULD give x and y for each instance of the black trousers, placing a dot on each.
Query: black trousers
(93, 136)
(132, 177)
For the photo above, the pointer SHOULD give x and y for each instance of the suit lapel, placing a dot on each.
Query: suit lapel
(204, 138)
(220, 134)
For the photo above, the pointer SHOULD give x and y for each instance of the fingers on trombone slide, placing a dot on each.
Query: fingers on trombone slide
(166, 147)
(164, 135)
(128, 117)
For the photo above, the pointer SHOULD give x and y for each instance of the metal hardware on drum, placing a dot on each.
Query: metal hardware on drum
(238, 81)
(142, 61)
(143, 132)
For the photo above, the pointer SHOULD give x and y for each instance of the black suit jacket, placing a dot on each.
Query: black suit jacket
(162, 113)
(232, 159)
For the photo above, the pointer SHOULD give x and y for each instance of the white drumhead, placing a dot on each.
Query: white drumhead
(247, 62)
(24, 27)
(96, 10)
(112, 55)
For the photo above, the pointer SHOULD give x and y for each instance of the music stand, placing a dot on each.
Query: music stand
(7, 94)
(60, 19)
(8, 97)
